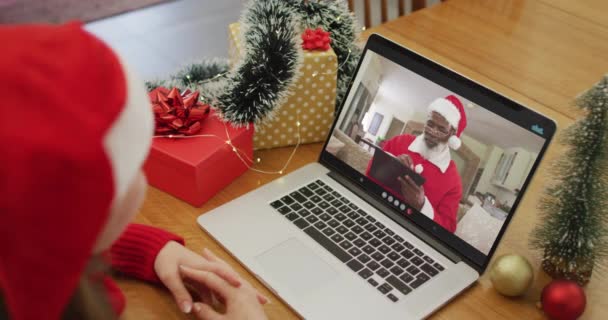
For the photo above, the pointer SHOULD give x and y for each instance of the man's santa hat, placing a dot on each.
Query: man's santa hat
(452, 110)
(76, 126)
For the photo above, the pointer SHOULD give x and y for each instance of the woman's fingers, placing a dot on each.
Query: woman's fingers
(211, 280)
(209, 255)
(224, 272)
(205, 312)
(182, 297)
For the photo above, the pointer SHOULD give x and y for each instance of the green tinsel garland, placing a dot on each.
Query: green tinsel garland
(194, 74)
(261, 81)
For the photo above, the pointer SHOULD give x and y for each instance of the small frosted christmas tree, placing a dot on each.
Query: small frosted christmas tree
(573, 236)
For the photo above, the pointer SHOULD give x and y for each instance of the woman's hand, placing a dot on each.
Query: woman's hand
(241, 303)
(173, 254)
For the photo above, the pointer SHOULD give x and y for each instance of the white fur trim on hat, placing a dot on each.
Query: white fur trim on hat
(128, 140)
(447, 109)
(454, 142)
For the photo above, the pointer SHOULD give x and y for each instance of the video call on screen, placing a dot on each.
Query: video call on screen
(388, 108)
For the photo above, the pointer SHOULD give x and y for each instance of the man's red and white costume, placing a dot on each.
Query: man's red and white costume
(443, 187)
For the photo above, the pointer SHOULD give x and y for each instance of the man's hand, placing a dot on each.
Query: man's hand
(412, 193)
(166, 266)
(406, 160)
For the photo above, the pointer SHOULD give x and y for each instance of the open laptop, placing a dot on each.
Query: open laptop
(335, 245)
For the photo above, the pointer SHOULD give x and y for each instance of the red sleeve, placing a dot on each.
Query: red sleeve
(447, 209)
(135, 251)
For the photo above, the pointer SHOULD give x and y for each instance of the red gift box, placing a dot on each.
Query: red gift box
(195, 168)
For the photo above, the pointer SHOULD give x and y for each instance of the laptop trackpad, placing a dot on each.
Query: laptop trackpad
(296, 266)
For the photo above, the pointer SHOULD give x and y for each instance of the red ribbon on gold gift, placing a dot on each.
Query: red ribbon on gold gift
(316, 39)
(177, 113)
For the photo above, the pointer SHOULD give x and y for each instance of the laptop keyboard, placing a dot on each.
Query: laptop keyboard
(392, 265)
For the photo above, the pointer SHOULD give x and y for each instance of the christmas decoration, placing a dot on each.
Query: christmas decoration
(573, 237)
(194, 75)
(563, 300)
(272, 56)
(511, 275)
(194, 168)
(177, 113)
(203, 71)
(315, 40)
(336, 18)
(311, 102)
(264, 76)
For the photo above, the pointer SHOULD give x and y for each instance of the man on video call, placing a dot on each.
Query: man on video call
(429, 155)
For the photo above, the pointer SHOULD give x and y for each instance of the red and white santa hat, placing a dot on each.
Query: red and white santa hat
(76, 126)
(452, 109)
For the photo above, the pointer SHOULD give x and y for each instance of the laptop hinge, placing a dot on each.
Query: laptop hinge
(388, 211)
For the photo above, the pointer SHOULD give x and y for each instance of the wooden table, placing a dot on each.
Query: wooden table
(542, 53)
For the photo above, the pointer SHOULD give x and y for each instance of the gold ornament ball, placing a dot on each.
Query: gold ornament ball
(511, 275)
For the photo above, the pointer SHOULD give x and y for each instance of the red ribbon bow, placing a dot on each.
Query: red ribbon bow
(176, 113)
(316, 39)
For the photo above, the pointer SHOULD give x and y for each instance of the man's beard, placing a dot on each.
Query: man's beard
(433, 152)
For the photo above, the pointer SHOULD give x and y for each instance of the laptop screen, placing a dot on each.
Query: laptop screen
(437, 150)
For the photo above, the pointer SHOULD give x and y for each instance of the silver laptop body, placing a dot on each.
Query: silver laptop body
(281, 231)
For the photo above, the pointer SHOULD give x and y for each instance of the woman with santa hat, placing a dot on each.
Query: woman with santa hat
(429, 155)
(76, 126)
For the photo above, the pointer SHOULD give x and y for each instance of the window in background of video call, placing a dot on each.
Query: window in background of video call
(496, 156)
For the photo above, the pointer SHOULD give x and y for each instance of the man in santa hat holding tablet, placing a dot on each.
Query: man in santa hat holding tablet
(429, 155)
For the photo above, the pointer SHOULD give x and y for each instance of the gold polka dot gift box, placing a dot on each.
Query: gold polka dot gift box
(311, 103)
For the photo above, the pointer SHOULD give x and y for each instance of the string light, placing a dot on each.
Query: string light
(223, 74)
(241, 154)
(293, 152)
(314, 74)
(245, 159)
(219, 75)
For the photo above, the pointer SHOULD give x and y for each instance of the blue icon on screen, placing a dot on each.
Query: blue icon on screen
(538, 129)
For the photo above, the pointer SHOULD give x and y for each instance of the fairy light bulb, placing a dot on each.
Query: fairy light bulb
(241, 155)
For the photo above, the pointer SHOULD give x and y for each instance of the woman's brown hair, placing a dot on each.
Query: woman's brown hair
(89, 301)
